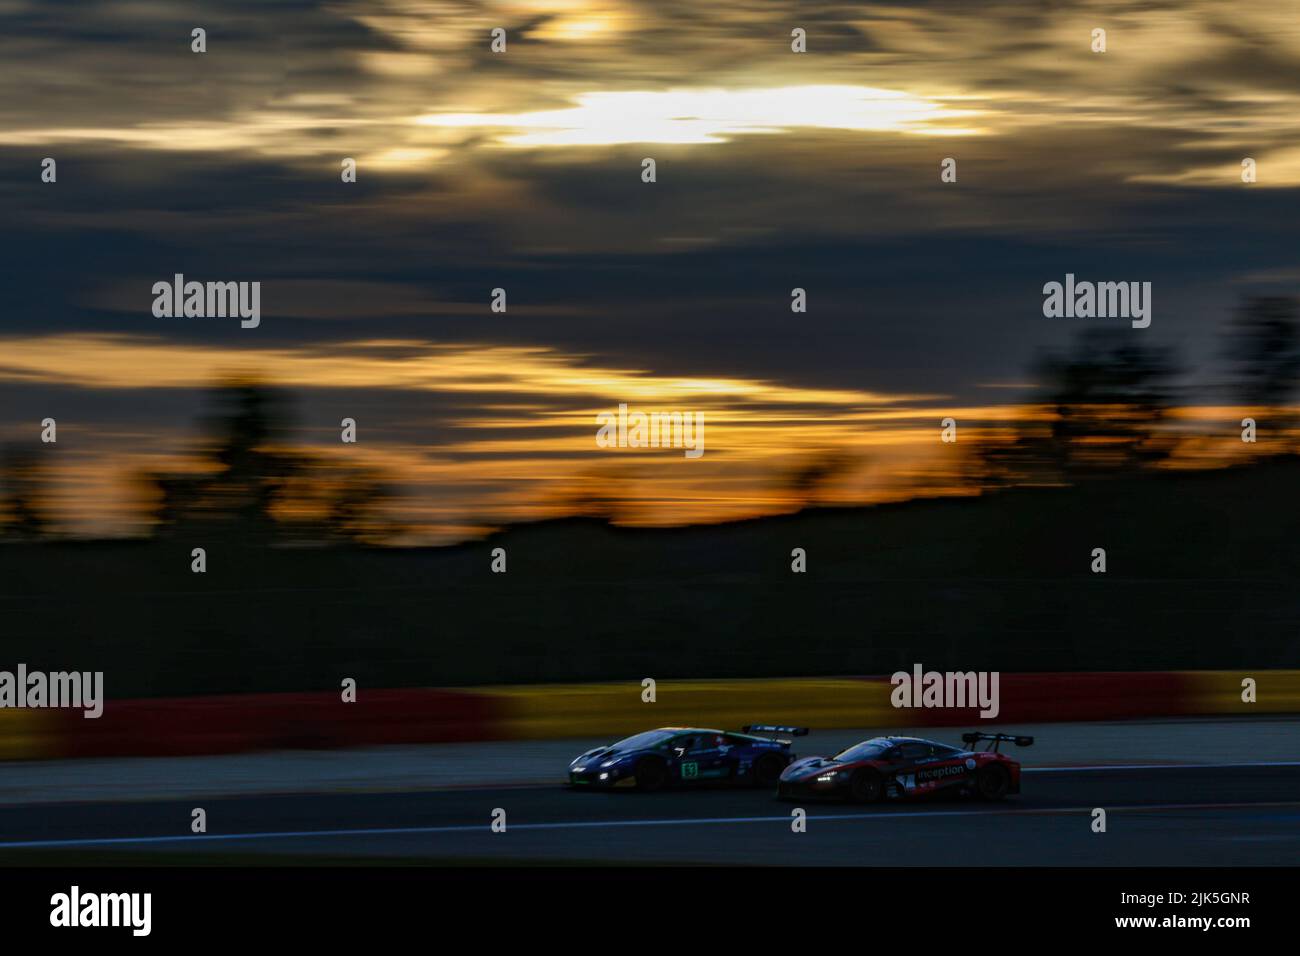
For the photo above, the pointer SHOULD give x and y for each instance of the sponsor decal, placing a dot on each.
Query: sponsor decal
(938, 773)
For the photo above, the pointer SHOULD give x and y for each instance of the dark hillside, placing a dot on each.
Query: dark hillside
(1202, 572)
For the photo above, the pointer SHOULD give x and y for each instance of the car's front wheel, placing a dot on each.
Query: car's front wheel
(866, 786)
(651, 774)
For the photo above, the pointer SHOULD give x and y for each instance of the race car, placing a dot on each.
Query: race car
(687, 756)
(907, 768)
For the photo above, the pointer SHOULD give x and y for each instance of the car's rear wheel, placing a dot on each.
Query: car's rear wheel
(866, 786)
(992, 782)
(651, 774)
(767, 770)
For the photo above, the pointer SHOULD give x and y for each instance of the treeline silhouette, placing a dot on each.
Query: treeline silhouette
(1201, 563)
(1201, 573)
(1100, 411)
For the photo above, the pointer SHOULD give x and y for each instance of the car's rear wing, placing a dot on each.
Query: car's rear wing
(774, 729)
(1017, 739)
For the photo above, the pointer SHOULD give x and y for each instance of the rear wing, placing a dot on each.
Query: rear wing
(774, 729)
(997, 739)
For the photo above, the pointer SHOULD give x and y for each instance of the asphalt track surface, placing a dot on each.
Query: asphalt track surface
(1211, 815)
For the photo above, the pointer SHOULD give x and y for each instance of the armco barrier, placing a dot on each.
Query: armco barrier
(1219, 692)
(235, 723)
(29, 734)
(1041, 698)
(231, 724)
(576, 710)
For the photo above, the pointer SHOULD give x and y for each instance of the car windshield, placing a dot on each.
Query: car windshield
(866, 750)
(643, 741)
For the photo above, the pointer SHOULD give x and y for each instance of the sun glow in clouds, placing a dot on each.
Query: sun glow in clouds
(714, 116)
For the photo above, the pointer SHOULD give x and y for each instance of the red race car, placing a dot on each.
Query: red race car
(907, 768)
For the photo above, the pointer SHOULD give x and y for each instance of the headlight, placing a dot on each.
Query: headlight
(826, 778)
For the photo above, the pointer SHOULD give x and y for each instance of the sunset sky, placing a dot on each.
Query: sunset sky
(522, 170)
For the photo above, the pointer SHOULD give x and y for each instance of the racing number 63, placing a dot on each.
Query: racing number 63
(690, 770)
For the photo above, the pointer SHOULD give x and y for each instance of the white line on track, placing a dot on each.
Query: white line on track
(1163, 766)
(899, 817)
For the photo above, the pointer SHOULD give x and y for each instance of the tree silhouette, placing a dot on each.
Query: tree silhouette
(256, 487)
(23, 515)
(808, 482)
(1110, 397)
(1263, 344)
(243, 475)
(1101, 410)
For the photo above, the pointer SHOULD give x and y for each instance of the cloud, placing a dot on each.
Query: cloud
(521, 170)
(697, 116)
